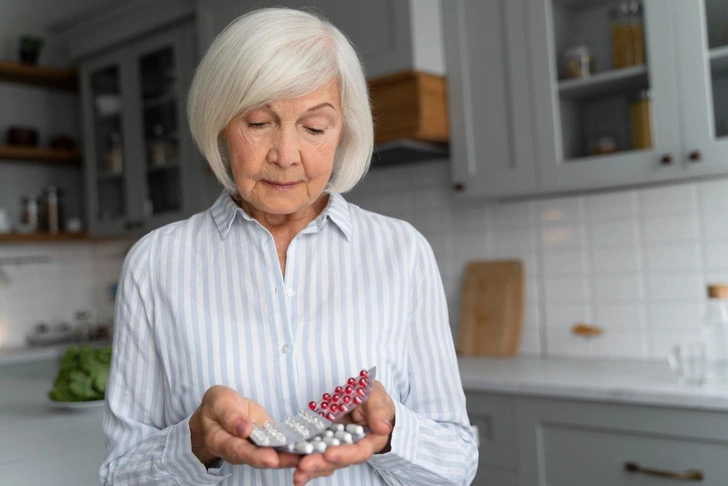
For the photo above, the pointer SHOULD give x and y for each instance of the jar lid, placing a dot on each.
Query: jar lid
(718, 291)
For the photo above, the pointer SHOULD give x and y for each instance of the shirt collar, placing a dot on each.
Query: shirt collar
(224, 211)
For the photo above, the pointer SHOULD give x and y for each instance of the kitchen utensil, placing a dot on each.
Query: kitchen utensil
(687, 361)
(491, 308)
(24, 136)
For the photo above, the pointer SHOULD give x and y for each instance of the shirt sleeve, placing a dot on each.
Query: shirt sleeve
(140, 447)
(432, 441)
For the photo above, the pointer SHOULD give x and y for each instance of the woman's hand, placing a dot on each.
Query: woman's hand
(377, 413)
(220, 428)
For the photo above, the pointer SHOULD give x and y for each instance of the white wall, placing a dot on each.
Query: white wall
(635, 262)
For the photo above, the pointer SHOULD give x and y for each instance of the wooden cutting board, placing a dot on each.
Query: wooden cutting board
(491, 308)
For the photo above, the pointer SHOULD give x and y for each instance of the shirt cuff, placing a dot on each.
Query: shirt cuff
(182, 464)
(405, 437)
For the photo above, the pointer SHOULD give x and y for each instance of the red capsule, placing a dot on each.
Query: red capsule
(312, 405)
(346, 399)
(349, 389)
(335, 398)
(331, 416)
(322, 414)
(326, 397)
(363, 373)
(351, 381)
(334, 408)
(363, 382)
(338, 390)
(357, 400)
(324, 405)
(343, 408)
(361, 392)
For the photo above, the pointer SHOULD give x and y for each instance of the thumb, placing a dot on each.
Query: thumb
(236, 424)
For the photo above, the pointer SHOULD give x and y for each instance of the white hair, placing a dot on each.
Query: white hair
(279, 53)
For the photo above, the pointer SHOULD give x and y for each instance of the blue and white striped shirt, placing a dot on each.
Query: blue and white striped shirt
(204, 302)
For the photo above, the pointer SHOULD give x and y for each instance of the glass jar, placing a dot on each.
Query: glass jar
(640, 113)
(715, 333)
(628, 47)
(578, 62)
(114, 156)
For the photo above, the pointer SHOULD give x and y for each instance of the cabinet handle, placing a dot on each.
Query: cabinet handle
(459, 187)
(696, 156)
(666, 159)
(689, 475)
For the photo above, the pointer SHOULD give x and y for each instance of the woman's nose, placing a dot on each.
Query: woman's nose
(286, 150)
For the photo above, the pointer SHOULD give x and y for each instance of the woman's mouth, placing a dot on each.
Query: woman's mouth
(281, 186)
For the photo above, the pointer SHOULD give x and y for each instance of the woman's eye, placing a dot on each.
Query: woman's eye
(315, 131)
(257, 125)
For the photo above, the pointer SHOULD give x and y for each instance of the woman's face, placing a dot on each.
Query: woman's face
(282, 154)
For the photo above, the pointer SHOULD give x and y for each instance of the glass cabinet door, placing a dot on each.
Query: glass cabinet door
(703, 54)
(161, 78)
(603, 81)
(107, 158)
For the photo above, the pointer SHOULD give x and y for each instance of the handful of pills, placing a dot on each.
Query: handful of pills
(314, 430)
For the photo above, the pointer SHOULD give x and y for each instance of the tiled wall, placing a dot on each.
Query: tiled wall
(73, 276)
(635, 262)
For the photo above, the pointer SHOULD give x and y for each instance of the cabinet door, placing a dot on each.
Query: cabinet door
(491, 135)
(214, 15)
(380, 29)
(702, 44)
(110, 190)
(570, 443)
(161, 146)
(618, 123)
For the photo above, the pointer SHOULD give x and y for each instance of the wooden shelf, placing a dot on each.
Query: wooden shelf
(41, 237)
(71, 157)
(15, 72)
(606, 83)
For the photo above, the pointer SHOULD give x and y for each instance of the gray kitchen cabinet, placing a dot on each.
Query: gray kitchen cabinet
(534, 441)
(491, 136)
(141, 164)
(390, 35)
(568, 443)
(659, 114)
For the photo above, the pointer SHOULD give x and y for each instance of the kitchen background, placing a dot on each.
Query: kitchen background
(634, 261)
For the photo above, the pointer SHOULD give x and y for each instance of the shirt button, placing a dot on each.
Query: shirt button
(290, 292)
(275, 289)
(285, 348)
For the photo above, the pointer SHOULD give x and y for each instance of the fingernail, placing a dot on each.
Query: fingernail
(240, 428)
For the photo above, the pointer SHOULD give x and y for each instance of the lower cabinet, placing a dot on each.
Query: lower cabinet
(539, 441)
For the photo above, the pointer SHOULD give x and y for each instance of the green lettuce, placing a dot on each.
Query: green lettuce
(83, 374)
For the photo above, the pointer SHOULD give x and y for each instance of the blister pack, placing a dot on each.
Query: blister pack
(315, 430)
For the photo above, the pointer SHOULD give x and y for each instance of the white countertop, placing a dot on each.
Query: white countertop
(643, 383)
(43, 445)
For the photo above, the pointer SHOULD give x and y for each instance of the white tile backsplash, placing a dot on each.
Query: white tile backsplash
(634, 262)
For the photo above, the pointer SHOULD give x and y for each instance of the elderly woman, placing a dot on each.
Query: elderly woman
(282, 289)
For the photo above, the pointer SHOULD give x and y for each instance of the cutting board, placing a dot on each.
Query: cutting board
(491, 308)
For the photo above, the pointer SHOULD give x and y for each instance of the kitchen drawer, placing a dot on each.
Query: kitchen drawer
(494, 477)
(493, 417)
(597, 457)
(572, 443)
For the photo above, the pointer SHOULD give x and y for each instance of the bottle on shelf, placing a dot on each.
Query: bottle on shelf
(114, 156)
(640, 110)
(628, 47)
(715, 333)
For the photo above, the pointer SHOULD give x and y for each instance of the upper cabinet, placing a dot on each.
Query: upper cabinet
(141, 165)
(619, 92)
(391, 35)
(491, 139)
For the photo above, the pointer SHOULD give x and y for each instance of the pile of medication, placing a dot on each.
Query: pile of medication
(313, 431)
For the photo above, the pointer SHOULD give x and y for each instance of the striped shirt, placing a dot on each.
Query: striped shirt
(204, 302)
